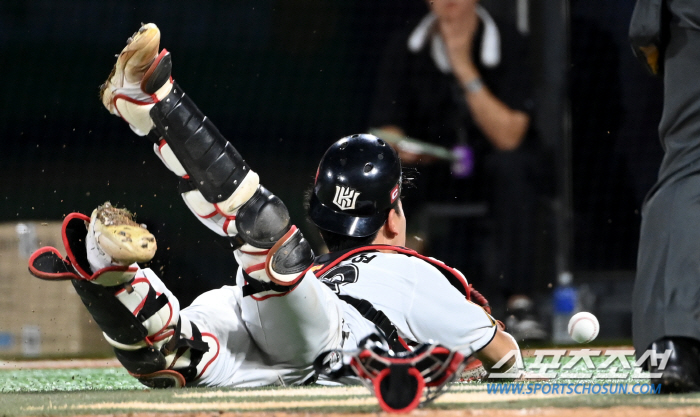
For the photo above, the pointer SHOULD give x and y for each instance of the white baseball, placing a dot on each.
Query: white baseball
(583, 327)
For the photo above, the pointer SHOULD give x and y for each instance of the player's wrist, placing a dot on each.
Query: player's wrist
(473, 86)
(469, 77)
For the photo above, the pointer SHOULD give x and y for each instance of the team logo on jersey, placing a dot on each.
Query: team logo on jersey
(340, 275)
(345, 197)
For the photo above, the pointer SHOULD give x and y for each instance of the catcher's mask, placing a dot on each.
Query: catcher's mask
(357, 183)
(400, 381)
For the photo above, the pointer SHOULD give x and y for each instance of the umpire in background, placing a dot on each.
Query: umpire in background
(665, 35)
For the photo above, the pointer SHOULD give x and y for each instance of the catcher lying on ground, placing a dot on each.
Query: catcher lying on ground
(288, 306)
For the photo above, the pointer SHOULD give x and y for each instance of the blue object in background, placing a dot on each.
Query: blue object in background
(6, 340)
(564, 299)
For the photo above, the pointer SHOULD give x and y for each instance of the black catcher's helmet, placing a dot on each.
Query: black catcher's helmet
(358, 181)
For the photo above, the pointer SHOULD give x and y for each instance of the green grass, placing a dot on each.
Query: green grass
(110, 379)
(51, 380)
(113, 391)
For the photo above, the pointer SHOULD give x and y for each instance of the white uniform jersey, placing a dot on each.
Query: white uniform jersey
(418, 299)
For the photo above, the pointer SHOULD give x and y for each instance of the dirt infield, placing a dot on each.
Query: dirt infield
(549, 411)
(61, 364)
(102, 388)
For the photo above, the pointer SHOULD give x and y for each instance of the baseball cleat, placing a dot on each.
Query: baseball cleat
(132, 63)
(119, 237)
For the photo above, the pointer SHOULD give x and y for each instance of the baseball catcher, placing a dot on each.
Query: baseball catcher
(288, 307)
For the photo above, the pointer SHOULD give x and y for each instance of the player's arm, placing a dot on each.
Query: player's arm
(504, 127)
(216, 183)
(440, 312)
(500, 346)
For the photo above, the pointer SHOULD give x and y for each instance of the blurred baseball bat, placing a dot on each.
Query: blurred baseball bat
(416, 146)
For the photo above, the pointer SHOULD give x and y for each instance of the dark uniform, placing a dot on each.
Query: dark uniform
(428, 104)
(666, 300)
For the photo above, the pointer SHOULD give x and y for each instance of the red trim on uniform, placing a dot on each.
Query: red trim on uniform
(173, 374)
(215, 356)
(265, 252)
(208, 216)
(253, 268)
(162, 335)
(71, 258)
(218, 210)
(227, 222)
(49, 275)
(139, 307)
(364, 354)
(404, 344)
(130, 100)
(405, 251)
(359, 369)
(453, 367)
(69, 253)
(265, 297)
(281, 294)
(150, 71)
(272, 253)
(167, 322)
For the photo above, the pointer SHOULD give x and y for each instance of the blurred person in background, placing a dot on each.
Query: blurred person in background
(460, 80)
(665, 35)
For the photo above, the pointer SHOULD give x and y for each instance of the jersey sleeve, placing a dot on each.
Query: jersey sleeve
(441, 313)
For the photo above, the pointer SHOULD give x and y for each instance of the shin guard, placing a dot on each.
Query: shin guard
(214, 165)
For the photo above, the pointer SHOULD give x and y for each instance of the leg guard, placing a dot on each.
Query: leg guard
(138, 315)
(141, 320)
(221, 189)
(217, 184)
(208, 158)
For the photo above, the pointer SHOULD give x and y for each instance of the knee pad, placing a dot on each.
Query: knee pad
(272, 253)
(262, 221)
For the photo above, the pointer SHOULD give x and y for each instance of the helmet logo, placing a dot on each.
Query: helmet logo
(345, 197)
(394, 193)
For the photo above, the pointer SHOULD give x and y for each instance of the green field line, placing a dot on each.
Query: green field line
(31, 392)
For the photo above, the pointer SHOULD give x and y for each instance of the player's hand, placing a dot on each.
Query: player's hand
(458, 35)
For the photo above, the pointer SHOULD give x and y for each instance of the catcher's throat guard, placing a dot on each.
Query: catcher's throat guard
(401, 381)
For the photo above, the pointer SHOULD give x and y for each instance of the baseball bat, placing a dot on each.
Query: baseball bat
(414, 145)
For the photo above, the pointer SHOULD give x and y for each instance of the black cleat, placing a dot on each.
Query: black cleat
(682, 372)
